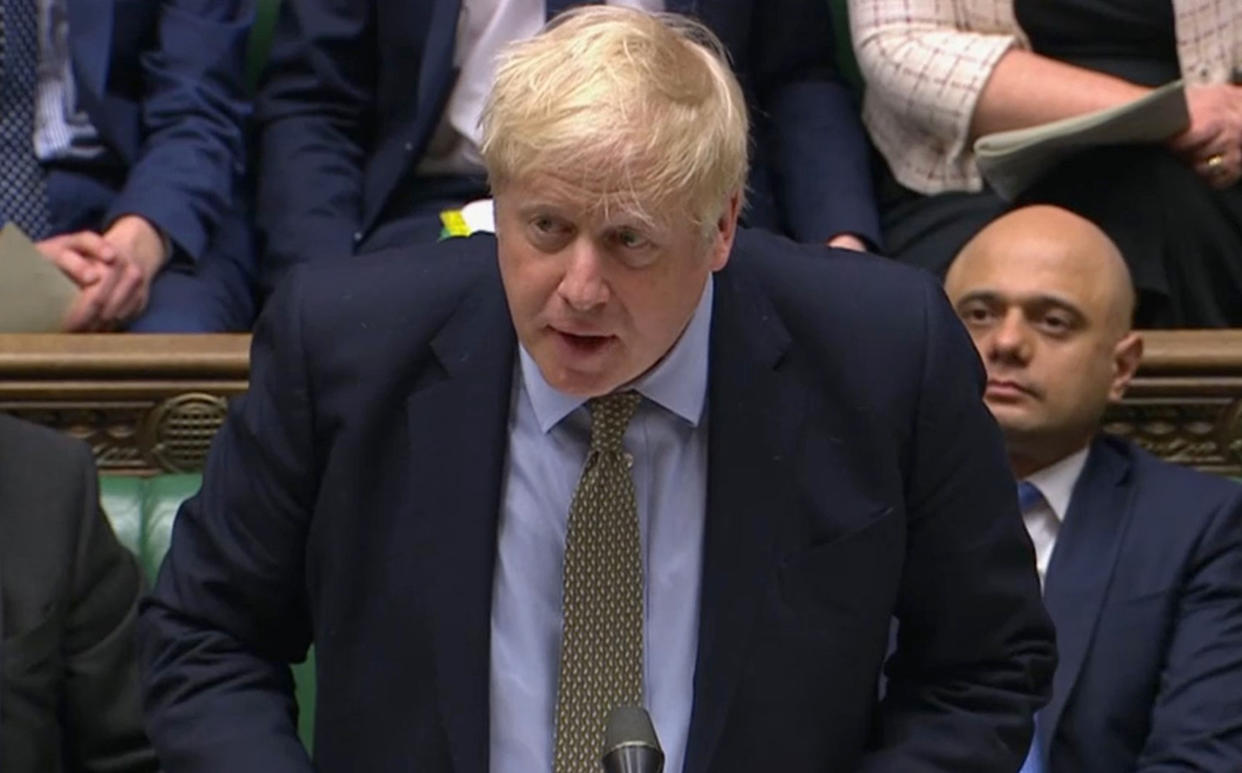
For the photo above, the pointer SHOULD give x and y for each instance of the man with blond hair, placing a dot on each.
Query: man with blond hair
(1141, 560)
(367, 121)
(620, 454)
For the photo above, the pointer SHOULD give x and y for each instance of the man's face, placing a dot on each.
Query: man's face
(1043, 322)
(598, 297)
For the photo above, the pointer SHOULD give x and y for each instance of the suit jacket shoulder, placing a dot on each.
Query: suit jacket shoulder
(1145, 588)
(1164, 482)
(70, 596)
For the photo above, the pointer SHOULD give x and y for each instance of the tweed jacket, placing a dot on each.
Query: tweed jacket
(926, 62)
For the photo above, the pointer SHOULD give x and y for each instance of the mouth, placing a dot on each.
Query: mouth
(1004, 389)
(583, 343)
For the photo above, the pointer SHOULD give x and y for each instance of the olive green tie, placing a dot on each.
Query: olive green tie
(602, 641)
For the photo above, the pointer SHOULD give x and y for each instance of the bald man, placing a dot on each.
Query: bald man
(1141, 560)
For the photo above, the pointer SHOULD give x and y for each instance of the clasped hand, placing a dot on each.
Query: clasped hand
(113, 271)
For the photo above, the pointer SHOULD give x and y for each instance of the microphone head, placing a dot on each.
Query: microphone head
(630, 743)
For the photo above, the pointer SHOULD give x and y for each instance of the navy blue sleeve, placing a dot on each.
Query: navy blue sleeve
(315, 114)
(975, 652)
(818, 148)
(229, 612)
(194, 108)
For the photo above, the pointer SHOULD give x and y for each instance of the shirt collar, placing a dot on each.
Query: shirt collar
(1056, 481)
(678, 382)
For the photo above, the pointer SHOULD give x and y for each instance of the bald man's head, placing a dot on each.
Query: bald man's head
(1048, 300)
(1064, 243)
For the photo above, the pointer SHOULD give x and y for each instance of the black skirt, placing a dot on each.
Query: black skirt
(1181, 238)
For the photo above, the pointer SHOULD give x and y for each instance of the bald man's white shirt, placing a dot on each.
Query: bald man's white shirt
(1043, 522)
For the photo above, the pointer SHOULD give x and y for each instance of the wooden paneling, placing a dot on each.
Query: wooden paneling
(144, 403)
(151, 403)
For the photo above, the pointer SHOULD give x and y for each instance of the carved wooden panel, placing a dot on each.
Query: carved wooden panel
(147, 404)
(1186, 403)
(1205, 433)
(144, 404)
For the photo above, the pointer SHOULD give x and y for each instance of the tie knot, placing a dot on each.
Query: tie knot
(1029, 496)
(610, 415)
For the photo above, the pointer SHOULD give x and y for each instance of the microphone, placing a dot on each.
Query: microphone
(630, 743)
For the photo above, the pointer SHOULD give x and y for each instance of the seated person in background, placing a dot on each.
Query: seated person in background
(131, 182)
(939, 75)
(503, 488)
(368, 120)
(69, 696)
(1141, 559)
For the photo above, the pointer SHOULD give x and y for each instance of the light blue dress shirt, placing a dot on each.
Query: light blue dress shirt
(62, 129)
(549, 434)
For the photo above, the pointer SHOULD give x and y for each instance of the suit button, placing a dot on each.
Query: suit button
(409, 147)
(357, 236)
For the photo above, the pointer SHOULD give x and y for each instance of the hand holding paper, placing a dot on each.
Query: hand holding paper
(35, 296)
(1212, 144)
(1011, 161)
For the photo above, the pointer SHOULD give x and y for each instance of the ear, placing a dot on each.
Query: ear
(1127, 355)
(725, 230)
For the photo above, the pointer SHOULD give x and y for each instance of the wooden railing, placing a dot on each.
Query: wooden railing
(1185, 405)
(144, 403)
(152, 403)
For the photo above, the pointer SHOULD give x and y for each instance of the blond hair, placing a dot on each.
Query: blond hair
(643, 108)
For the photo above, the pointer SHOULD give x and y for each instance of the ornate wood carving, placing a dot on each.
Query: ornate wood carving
(1185, 405)
(147, 404)
(144, 404)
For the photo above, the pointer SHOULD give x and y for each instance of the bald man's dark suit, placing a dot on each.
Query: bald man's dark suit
(1145, 589)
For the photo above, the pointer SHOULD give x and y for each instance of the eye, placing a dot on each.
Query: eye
(975, 314)
(547, 225)
(631, 239)
(1056, 323)
(548, 232)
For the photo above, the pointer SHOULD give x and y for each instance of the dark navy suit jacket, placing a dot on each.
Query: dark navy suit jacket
(354, 91)
(351, 499)
(1145, 589)
(164, 84)
(68, 672)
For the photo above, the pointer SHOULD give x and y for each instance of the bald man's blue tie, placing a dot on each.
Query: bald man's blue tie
(1030, 497)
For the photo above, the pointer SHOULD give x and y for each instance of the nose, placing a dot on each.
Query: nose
(584, 287)
(1010, 340)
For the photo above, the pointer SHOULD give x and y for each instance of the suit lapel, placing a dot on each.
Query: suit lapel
(1081, 569)
(458, 428)
(90, 42)
(753, 418)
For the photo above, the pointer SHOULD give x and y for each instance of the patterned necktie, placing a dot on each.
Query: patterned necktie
(602, 641)
(23, 199)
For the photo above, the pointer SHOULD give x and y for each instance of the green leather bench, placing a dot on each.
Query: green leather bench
(142, 511)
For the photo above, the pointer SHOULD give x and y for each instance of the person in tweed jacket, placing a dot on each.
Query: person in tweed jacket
(941, 73)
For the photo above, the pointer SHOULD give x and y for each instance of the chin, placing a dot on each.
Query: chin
(579, 384)
(1013, 420)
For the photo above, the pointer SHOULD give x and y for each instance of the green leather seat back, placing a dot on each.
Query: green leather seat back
(142, 512)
